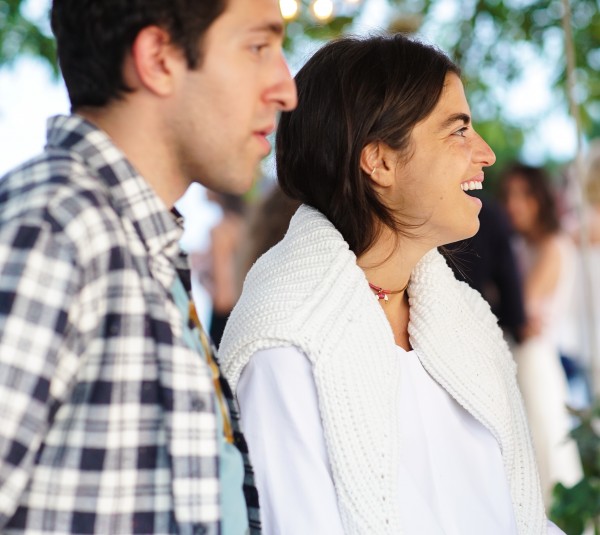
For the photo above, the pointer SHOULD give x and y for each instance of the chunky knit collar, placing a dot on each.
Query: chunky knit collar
(308, 292)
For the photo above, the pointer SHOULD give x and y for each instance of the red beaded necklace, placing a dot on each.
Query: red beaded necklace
(383, 294)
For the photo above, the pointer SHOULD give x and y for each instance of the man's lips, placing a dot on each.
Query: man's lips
(261, 136)
(265, 131)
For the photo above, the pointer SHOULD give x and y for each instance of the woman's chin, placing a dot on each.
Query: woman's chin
(468, 231)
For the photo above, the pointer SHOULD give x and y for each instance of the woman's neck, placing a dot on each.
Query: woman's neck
(388, 265)
(389, 262)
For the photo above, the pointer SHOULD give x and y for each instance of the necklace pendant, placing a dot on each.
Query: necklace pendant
(381, 294)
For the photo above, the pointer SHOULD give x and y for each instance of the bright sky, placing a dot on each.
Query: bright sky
(28, 96)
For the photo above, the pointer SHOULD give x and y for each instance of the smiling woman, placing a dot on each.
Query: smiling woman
(390, 386)
(446, 157)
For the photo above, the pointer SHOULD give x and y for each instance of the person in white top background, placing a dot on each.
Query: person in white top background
(376, 390)
(548, 263)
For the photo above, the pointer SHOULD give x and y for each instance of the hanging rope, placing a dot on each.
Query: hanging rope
(580, 205)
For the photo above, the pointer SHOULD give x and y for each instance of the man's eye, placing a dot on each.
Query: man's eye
(257, 49)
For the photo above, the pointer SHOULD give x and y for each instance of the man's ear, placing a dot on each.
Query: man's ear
(376, 161)
(154, 62)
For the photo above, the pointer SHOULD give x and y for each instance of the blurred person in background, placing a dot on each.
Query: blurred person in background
(548, 264)
(267, 222)
(388, 383)
(218, 270)
(592, 192)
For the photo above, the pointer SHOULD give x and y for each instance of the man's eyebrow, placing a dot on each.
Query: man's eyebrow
(275, 28)
(463, 117)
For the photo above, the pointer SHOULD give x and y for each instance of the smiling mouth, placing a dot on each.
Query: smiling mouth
(471, 185)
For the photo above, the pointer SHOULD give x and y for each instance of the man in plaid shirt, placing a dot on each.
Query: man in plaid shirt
(111, 415)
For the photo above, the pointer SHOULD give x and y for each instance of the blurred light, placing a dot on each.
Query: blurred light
(322, 9)
(289, 8)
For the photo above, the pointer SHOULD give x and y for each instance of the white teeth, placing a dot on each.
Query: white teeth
(473, 184)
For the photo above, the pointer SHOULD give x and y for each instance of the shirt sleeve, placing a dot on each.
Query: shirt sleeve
(37, 278)
(281, 422)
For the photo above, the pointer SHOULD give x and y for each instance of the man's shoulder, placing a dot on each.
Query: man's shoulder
(57, 191)
(55, 184)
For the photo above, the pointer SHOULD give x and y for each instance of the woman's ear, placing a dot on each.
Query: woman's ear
(375, 161)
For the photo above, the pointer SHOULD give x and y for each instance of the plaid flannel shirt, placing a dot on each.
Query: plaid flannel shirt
(107, 418)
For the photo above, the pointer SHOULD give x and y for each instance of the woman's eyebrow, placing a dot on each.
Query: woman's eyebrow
(465, 118)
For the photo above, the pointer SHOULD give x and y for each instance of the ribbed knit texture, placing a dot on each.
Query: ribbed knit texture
(308, 292)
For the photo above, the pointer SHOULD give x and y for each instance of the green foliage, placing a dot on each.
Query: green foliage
(576, 507)
(498, 38)
(306, 28)
(328, 30)
(506, 140)
(495, 41)
(20, 36)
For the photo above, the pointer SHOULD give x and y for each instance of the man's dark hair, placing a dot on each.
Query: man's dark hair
(350, 93)
(539, 185)
(94, 36)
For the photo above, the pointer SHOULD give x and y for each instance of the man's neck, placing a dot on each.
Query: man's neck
(144, 141)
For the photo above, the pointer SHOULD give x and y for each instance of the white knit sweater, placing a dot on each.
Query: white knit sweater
(308, 292)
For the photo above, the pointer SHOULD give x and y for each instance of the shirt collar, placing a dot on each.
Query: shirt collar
(130, 194)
